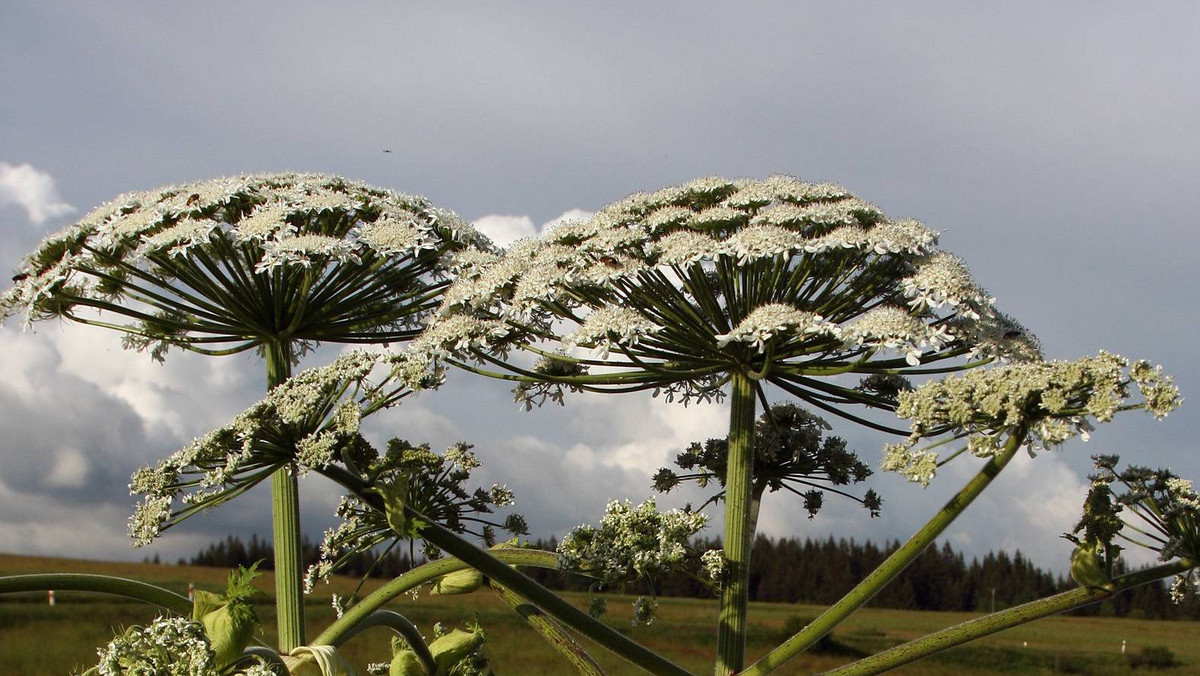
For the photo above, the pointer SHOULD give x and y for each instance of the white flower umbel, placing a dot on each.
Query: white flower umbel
(776, 319)
(1054, 401)
(306, 420)
(234, 263)
(893, 328)
(942, 280)
(698, 281)
(631, 543)
(610, 327)
(719, 287)
(168, 646)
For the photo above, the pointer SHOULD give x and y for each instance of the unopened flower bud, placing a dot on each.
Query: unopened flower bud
(406, 663)
(229, 620)
(459, 582)
(1087, 566)
(455, 646)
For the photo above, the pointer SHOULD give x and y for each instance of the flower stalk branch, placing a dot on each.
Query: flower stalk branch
(1005, 619)
(894, 565)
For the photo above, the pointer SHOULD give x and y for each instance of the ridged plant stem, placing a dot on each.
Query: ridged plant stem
(285, 513)
(894, 565)
(552, 632)
(496, 565)
(739, 536)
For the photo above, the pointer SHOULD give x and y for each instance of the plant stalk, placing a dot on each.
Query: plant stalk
(1005, 619)
(552, 632)
(285, 515)
(894, 565)
(739, 533)
(103, 584)
(344, 627)
(495, 564)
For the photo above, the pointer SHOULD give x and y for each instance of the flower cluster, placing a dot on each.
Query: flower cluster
(431, 484)
(1052, 401)
(171, 646)
(632, 543)
(1167, 511)
(229, 264)
(308, 420)
(674, 290)
(791, 453)
(713, 565)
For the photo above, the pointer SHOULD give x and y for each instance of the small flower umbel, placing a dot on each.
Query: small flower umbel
(791, 453)
(1050, 402)
(415, 476)
(633, 544)
(173, 646)
(1143, 507)
(238, 263)
(310, 421)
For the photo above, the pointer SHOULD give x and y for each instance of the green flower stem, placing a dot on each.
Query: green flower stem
(103, 584)
(1005, 619)
(552, 631)
(548, 601)
(494, 564)
(402, 626)
(343, 627)
(893, 566)
(285, 512)
(739, 536)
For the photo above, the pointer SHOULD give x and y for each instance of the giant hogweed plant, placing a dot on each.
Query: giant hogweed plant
(276, 263)
(698, 292)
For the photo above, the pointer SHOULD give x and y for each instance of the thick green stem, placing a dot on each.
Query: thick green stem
(552, 632)
(103, 584)
(893, 566)
(551, 603)
(495, 564)
(739, 536)
(285, 513)
(1006, 619)
(344, 626)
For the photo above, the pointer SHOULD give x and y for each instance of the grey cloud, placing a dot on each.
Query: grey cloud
(1054, 146)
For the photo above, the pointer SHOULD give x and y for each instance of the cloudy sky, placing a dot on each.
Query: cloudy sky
(1056, 148)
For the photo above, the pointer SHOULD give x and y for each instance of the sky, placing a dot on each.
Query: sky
(1055, 147)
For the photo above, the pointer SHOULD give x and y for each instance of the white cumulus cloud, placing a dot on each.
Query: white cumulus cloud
(32, 190)
(504, 230)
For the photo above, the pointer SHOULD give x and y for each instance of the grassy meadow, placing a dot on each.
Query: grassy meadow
(37, 640)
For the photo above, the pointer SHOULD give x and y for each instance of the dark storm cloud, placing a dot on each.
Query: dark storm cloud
(1055, 147)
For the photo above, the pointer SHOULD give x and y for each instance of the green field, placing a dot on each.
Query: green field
(36, 639)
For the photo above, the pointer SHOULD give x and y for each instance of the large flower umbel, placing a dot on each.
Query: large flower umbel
(785, 281)
(231, 264)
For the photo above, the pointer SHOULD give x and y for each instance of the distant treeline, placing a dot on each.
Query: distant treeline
(790, 570)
